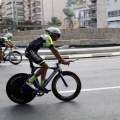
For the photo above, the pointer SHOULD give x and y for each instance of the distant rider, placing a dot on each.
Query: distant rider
(5, 41)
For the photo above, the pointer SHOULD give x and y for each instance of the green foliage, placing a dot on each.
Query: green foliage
(7, 21)
(27, 22)
(54, 21)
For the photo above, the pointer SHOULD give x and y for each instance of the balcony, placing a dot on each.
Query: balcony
(93, 24)
(93, 6)
(8, 3)
(20, 14)
(93, 16)
(37, 0)
(93, 0)
(88, 17)
(19, 1)
(20, 9)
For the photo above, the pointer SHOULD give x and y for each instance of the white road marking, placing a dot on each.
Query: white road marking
(98, 89)
(92, 89)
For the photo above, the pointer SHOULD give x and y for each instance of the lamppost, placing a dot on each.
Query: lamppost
(14, 22)
(52, 9)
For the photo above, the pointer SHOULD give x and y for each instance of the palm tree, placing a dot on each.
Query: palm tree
(54, 21)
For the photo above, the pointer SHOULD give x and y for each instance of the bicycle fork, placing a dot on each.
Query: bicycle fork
(61, 75)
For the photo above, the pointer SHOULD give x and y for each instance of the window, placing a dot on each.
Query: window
(114, 13)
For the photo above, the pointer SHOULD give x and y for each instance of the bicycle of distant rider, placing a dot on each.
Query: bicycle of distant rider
(66, 85)
(14, 57)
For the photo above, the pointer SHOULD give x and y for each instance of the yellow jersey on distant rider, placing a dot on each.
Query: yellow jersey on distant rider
(6, 39)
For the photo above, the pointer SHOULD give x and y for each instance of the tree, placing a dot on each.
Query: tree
(7, 21)
(54, 21)
(27, 22)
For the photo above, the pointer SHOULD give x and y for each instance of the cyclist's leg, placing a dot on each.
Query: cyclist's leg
(38, 60)
(33, 56)
(42, 72)
(6, 47)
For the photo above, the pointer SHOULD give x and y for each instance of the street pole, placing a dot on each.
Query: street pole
(14, 16)
(52, 9)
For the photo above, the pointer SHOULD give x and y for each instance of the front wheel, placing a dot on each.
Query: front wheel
(15, 57)
(18, 91)
(66, 87)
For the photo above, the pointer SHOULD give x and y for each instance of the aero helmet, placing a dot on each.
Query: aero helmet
(8, 35)
(53, 31)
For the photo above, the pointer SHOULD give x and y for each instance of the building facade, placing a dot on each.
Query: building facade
(36, 11)
(27, 9)
(13, 9)
(91, 13)
(86, 13)
(113, 8)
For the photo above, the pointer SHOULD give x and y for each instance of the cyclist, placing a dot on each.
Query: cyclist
(52, 33)
(5, 41)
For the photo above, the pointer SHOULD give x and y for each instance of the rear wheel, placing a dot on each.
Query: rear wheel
(69, 88)
(15, 57)
(18, 91)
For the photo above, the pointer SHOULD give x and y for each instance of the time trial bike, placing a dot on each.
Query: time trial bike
(14, 57)
(66, 85)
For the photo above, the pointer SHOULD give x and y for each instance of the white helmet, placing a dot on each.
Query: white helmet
(8, 35)
(53, 31)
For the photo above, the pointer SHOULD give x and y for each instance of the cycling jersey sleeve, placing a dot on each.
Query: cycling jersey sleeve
(7, 40)
(49, 42)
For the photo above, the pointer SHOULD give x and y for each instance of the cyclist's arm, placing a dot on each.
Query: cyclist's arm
(49, 44)
(11, 44)
(8, 43)
(58, 55)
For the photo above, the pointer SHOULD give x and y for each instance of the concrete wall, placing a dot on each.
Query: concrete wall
(78, 37)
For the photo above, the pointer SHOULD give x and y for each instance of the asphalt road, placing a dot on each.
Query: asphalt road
(98, 100)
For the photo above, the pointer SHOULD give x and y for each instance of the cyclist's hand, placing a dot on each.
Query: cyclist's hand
(65, 62)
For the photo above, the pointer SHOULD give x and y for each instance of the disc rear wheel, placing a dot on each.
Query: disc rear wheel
(18, 91)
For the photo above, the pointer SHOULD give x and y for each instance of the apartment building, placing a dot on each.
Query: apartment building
(37, 11)
(113, 8)
(86, 13)
(27, 9)
(41, 11)
(91, 13)
(13, 9)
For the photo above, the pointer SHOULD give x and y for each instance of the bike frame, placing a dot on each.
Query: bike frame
(8, 54)
(55, 70)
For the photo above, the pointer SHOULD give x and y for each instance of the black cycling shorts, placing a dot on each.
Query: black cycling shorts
(32, 55)
(0, 47)
(2, 41)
